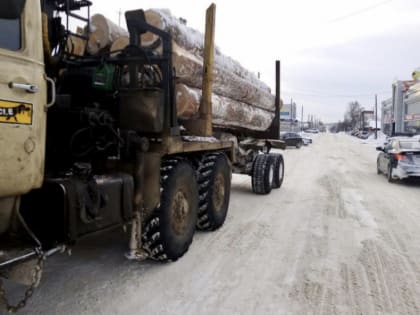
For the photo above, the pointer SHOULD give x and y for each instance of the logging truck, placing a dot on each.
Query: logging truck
(94, 142)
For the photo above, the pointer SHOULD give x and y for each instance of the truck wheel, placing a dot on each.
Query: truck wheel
(169, 232)
(214, 190)
(278, 169)
(262, 174)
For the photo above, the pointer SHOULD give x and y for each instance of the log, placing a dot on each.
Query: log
(239, 98)
(226, 112)
(76, 45)
(189, 38)
(189, 69)
(118, 45)
(103, 33)
(187, 102)
(193, 41)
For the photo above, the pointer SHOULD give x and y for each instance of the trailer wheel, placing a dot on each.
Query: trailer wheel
(278, 169)
(169, 232)
(262, 174)
(214, 190)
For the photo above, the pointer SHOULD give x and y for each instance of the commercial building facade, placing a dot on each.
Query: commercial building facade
(401, 112)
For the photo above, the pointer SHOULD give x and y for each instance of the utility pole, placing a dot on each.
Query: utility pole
(119, 17)
(301, 120)
(291, 114)
(376, 116)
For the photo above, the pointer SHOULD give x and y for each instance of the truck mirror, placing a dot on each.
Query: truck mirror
(11, 9)
(379, 148)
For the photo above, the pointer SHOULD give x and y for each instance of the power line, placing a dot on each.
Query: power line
(328, 95)
(358, 12)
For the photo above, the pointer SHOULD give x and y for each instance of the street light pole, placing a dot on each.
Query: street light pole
(119, 17)
(301, 120)
(376, 116)
(291, 114)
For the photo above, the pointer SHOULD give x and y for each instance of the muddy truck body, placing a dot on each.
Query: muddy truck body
(93, 143)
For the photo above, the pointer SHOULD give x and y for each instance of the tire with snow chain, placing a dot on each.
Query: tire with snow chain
(169, 232)
(214, 190)
(262, 174)
(278, 169)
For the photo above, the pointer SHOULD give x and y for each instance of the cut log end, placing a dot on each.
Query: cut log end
(119, 45)
(154, 19)
(76, 45)
(103, 32)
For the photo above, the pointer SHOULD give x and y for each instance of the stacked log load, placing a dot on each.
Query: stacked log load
(239, 98)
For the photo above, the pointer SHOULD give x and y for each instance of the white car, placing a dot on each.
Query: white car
(306, 139)
(399, 158)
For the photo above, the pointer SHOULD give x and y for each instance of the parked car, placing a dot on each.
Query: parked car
(354, 132)
(312, 130)
(292, 139)
(363, 134)
(306, 139)
(399, 158)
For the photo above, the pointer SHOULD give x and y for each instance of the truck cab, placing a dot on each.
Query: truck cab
(91, 143)
(23, 102)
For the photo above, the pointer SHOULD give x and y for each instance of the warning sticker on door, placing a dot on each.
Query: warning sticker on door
(16, 112)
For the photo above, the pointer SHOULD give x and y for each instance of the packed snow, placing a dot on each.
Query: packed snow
(336, 238)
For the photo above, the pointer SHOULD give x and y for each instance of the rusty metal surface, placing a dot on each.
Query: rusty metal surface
(142, 110)
(152, 162)
(23, 145)
(6, 209)
(174, 145)
(208, 64)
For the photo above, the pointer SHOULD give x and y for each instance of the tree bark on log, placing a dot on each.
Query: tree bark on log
(239, 99)
(103, 33)
(193, 41)
(119, 44)
(189, 70)
(76, 45)
(226, 111)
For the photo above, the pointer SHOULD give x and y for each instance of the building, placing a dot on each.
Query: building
(401, 113)
(412, 109)
(386, 116)
(365, 117)
(288, 112)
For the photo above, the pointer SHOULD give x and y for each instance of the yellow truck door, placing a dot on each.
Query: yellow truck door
(23, 100)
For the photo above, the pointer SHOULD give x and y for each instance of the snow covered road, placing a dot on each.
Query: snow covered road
(335, 239)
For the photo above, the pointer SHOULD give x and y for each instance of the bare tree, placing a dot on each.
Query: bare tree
(353, 114)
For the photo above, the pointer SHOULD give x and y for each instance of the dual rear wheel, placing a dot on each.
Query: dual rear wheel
(190, 197)
(267, 173)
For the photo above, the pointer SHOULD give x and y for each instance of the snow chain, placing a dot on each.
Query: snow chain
(36, 277)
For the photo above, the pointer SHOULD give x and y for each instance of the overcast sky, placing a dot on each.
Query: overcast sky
(332, 51)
